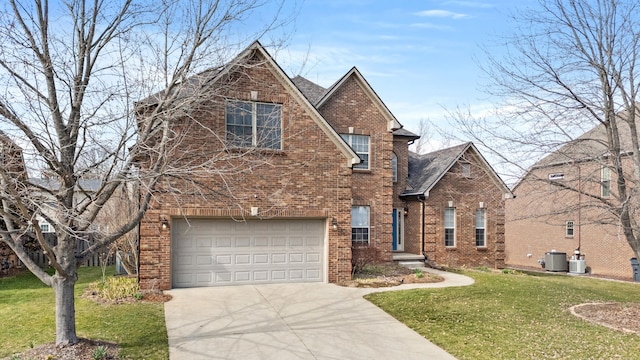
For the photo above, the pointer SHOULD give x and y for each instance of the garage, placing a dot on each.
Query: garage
(218, 252)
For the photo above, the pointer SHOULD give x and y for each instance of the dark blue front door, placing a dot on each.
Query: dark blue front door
(395, 229)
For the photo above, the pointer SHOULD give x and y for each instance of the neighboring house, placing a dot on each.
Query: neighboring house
(11, 162)
(547, 216)
(336, 175)
(462, 202)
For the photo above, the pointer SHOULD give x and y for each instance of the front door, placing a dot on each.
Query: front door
(398, 230)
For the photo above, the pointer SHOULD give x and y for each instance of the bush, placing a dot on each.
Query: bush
(361, 256)
(118, 287)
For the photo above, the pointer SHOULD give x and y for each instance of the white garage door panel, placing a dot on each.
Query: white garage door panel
(225, 252)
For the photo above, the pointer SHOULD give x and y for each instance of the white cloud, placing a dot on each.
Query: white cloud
(442, 14)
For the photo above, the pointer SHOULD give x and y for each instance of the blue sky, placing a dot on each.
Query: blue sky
(419, 56)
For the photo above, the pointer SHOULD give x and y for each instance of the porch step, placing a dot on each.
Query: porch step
(401, 256)
(412, 264)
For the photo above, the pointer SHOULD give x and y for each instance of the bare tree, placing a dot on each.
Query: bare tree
(568, 87)
(72, 72)
(425, 132)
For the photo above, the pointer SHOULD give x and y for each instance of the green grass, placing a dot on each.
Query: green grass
(515, 316)
(27, 316)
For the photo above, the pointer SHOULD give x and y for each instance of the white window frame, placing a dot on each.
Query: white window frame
(360, 225)
(256, 130)
(569, 228)
(394, 167)
(450, 224)
(482, 226)
(365, 156)
(605, 182)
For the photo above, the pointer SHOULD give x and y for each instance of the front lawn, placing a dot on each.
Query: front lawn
(516, 316)
(27, 316)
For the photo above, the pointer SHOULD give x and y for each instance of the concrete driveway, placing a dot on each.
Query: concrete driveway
(298, 321)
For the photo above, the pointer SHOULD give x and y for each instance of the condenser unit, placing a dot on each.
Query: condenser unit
(555, 261)
(577, 266)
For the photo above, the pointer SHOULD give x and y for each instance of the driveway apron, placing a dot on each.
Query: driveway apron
(292, 321)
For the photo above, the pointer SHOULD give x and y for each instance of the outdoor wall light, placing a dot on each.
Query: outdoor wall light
(165, 223)
(334, 222)
(406, 211)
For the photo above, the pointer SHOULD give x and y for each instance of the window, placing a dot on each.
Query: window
(605, 182)
(449, 227)
(252, 124)
(44, 228)
(394, 167)
(466, 169)
(481, 227)
(360, 225)
(569, 229)
(359, 144)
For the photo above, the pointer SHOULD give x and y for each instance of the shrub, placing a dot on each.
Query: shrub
(361, 256)
(118, 287)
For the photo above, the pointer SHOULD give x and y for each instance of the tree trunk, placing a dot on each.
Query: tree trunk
(65, 309)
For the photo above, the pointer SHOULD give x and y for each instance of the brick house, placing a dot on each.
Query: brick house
(456, 208)
(301, 174)
(548, 213)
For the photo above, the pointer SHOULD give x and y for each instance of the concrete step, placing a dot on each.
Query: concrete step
(412, 264)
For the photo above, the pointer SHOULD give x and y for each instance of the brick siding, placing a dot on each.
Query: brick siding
(536, 223)
(309, 178)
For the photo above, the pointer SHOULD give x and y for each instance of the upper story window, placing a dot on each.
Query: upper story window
(569, 229)
(394, 167)
(254, 124)
(359, 144)
(450, 227)
(481, 227)
(360, 225)
(466, 169)
(605, 182)
(44, 228)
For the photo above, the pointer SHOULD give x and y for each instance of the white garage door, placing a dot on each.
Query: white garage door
(209, 252)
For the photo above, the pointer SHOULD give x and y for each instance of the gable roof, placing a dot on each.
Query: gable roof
(392, 122)
(426, 170)
(210, 77)
(590, 145)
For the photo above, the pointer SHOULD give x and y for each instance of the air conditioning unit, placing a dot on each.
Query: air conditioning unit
(577, 266)
(555, 261)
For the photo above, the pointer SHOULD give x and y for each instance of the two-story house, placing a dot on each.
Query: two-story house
(567, 203)
(277, 178)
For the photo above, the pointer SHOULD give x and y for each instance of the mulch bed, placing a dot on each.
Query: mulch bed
(616, 316)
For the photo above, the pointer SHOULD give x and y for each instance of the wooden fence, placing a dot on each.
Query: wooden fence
(93, 260)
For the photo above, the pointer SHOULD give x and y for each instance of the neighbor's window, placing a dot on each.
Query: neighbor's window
(466, 169)
(359, 144)
(449, 227)
(605, 181)
(481, 227)
(569, 229)
(44, 228)
(254, 124)
(360, 225)
(394, 167)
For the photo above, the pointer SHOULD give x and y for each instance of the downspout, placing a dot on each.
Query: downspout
(421, 200)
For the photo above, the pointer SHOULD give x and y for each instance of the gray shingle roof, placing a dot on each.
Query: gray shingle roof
(590, 145)
(405, 133)
(312, 91)
(427, 169)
